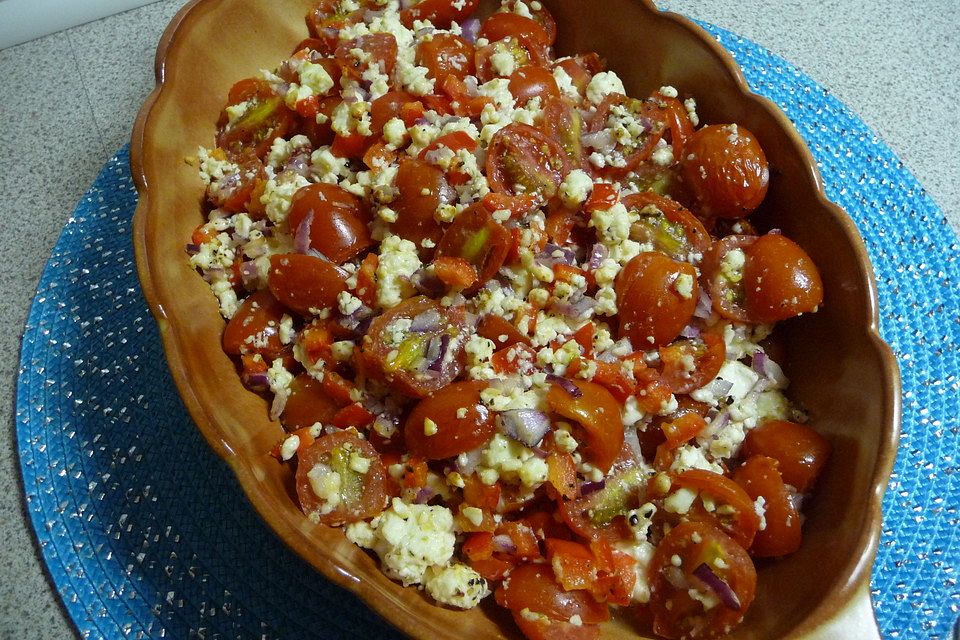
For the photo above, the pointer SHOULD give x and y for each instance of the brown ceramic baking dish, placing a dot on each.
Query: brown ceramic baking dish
(842, 372)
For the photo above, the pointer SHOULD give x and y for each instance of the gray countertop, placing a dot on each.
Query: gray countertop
(68, 102)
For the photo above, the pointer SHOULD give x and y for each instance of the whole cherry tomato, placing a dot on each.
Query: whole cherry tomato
(265, 118)
(330, 466)
(449, 422)
(704, 552)
(446, 54)
(598, 412)
(338, 227)
(308, 404)
(781, 535)
(440, 12)
(726, 170)
(386, 107)
(255, 327)
(780, 280)
(524, 160)
(303, 282)
(800, 452)
(506, 25)
(416, 347)
(658, 301)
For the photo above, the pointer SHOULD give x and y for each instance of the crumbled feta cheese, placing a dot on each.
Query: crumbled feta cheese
(602, 85)
(575, 188)
(456, 585)
(398, 262)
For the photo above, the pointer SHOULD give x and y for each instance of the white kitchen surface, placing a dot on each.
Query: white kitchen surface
(25, 20)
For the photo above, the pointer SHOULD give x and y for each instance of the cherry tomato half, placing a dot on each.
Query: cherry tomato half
(476, 237)
(417, 346)
(666, 224)
(781, 535)
(534, 587)
(524, 160)
(800, 452)
(265, 118)
(330, 486)
(599, 413)
(780, 280)
(691, 363)
(563, 122)
(337, 220)
(423, 188)
(308, 404)
(446, 54)
(435, 428)
(734, 512)
(659, 296)
(302, 282)
(726, 169)
(676, 614)
(505, 25)
(255, 327)
(529, 82)
(440, 12)
(379, 50)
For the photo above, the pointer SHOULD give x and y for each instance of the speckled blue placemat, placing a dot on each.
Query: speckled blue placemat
(146, 533)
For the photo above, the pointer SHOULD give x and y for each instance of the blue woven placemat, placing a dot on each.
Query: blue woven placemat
(147, 535)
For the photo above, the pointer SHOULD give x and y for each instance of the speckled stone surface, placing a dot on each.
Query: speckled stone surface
(68, 102)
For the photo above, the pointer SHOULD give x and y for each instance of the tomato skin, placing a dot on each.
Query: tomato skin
(381, 48)
(696, 238)
(415, 219)
(338, 228)
(563, 122)
(308, 404)
(726, 169)
(708, 352)
(454, 435)
(259, 315)
(361, 497)
(476, 237)
(530, 82)
(727, 297)
(675, 613)
(653, 311)
(741, 523)
(581, 69)
(534, 587)
(446, 54)
(440, 12)
(324, 23)
(599, 413)
(266, 118)
(303, 282)
(505, 25)
(403, 372)
(520, 155)
(800, 452)
(781, 536)
(780, 280)
(386, 107)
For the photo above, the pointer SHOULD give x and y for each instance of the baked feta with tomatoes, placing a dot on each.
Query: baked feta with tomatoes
(516, 324)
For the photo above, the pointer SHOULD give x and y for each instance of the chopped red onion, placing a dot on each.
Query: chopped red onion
(592, 487)
(723, 591)
(249, 273)
(575, 308)
(704, 307)
(719, 387)
(435, 156)
(632, 440)
(525, 425)
(447, 195)
(566, 385)
(717, 423)
(467, 461)
(427, 283)
(598, 254)
(540, 452)
(690, 331)
(470, 29)
(602, 140)
(354, 321)
(424, 495)
(301, 240)
(256, 381)
(193, 249)
(428, 320)
(277, 406)
(554, 254)
(504, 543)
(439, 346)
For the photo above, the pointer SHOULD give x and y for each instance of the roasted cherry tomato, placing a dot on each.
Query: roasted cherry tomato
(440, 12)
(726, 170)
(524, 51)
(264, 118)
(476, 237)
(657, 297)
(533, 588)
(417, 346)
(325, 21)
(581, 69)
(800, 452)
(330, 486)
(379, 50)
(505, 25)
(733, 510)
(545, 19)
(337, 221)
(529, 82)
(302, 282)
(598, 412)
(524, 160)
(444, 55)
(255, 327)
(780, 535)
(422, 189)
(388, 106)
(308, 404)
(435, 428)
(690, 363)
(667, 225)
(711, 589)
(780, 280)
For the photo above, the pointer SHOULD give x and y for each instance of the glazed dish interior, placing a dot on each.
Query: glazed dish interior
(840, 370)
